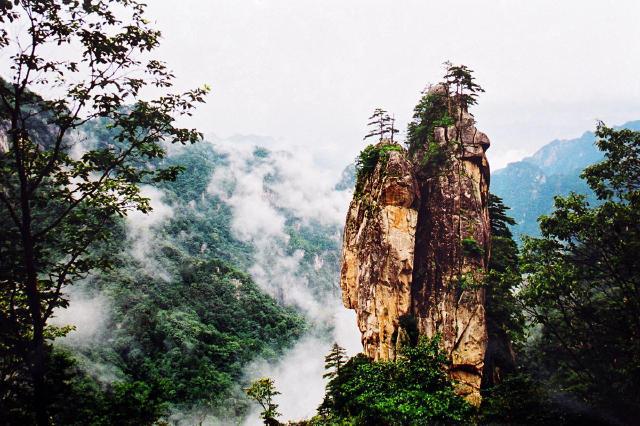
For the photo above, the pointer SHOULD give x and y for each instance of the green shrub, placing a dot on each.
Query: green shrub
(470, 247)
(430, 112)
(434, 156)
(412, 390)
(368, 159)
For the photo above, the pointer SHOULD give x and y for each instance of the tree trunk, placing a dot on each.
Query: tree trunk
(37, 352)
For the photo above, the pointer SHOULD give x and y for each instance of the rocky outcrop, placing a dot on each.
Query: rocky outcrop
(416, 245)
(378, 252)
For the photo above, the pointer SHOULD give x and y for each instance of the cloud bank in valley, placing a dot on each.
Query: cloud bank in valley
(140, 235)
(263, 191)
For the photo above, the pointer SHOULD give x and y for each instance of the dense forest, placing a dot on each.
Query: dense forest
(131, 294)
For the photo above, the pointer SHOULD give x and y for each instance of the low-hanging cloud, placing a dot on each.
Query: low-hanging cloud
(140, 233)
(88, 313)
(298, 374)
(263, 191)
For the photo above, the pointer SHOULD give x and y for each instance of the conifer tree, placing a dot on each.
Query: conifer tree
(336, 358)
(392, 128)
(461, 85)
(380, 123)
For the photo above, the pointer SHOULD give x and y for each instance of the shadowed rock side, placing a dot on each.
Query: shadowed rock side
(452, 253)
(416, 244)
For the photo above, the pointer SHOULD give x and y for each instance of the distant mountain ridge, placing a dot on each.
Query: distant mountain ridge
(528, 186)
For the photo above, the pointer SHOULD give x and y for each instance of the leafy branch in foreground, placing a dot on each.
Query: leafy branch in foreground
(58, 194)
(583, 279)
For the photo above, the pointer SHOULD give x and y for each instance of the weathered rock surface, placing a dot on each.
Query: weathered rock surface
(378, 251)
(417, 243)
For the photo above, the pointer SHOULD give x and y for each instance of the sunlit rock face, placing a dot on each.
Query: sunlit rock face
(417, 244)
(378, 252)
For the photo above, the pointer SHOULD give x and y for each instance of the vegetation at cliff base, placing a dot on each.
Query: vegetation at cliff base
(412, 390)
(572, 318)
(263, 391)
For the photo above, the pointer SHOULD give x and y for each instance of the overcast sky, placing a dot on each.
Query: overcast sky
(309, 72)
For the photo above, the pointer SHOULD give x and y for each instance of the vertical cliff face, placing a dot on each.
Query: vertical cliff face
(452, 251)
(378, 252)
(416, 246)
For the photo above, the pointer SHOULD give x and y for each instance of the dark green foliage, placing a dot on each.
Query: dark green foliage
(618, 176)
(56, 204)
(435, 156)
(470, 247)
(503, 310)
(75, 398)
(582, 284)
(430, 112)
(413, 390)
(462, 85)
(194, 326)
(369, 159)
(519, 399)
(334, 361)
(181, 340)
(441, 106)
(499, 219)
(508, 396)
(195, 332)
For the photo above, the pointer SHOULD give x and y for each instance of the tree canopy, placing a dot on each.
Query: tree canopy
(582, 282)
(262, 391)
(91, 61)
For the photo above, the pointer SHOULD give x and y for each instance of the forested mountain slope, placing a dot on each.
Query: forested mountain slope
(174, 324)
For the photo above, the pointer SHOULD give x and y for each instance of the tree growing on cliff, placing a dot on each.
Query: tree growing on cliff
(381, 125)
(392, 128)
(461, 85)
(58, 194)
(438, 107)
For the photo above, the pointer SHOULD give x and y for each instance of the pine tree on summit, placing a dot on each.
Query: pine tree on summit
(392, 128)
(461, 84)
(381, 124)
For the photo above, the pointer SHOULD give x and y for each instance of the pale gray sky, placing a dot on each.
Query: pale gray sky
(309, 72)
